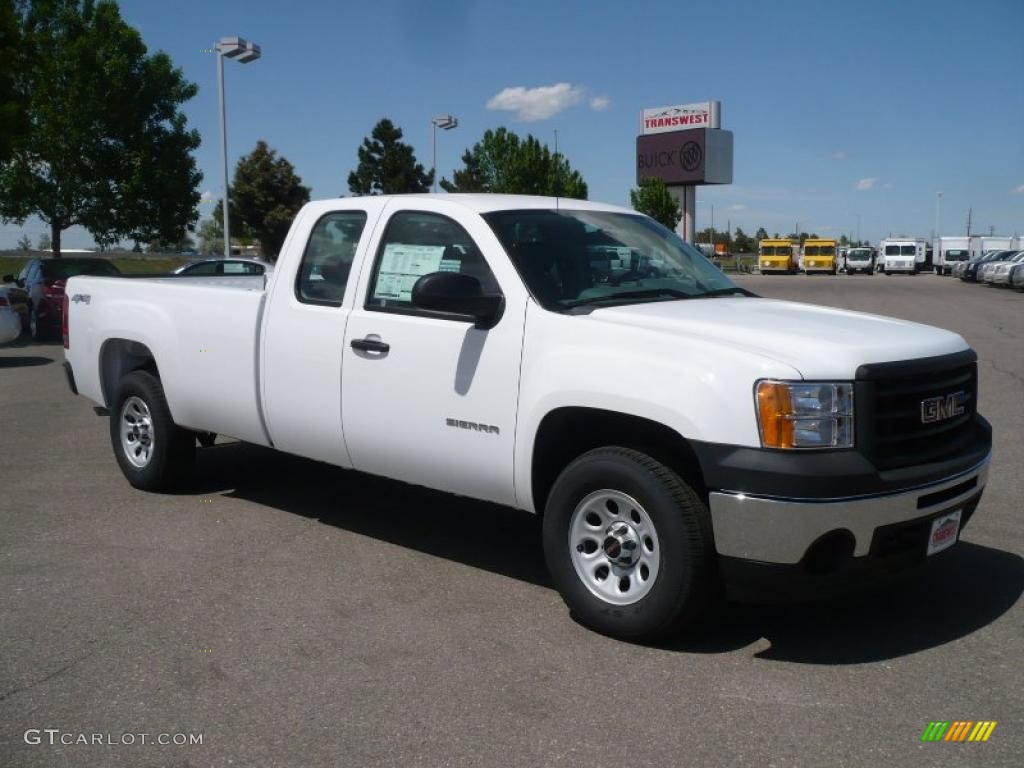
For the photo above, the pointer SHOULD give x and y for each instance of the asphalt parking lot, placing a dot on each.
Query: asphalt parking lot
(299, 615)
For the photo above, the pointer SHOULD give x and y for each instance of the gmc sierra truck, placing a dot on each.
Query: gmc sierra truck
(682, 437)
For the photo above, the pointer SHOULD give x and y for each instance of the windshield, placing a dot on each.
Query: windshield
(908, 250)
(955, 255)
(576, 258)
(63, 268)
(892, 250)
(859, 254)
(776, 250)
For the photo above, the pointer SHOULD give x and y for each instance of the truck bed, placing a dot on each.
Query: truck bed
(203, 331)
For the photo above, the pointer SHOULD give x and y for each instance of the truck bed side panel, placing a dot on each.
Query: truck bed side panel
(203, 337)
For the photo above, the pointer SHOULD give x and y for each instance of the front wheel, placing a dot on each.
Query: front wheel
(628, 544)
(154, 453)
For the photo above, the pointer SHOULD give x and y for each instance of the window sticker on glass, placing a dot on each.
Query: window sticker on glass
(401, 265)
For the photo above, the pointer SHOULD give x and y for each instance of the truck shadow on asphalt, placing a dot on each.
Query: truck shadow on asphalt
(962, 592)
(24, 361)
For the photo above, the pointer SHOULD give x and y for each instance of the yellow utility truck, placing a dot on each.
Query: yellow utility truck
(776, 256)
(820, 256)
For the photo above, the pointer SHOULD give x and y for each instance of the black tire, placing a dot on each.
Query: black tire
(685, 580)
(173, 448)
(37, 331)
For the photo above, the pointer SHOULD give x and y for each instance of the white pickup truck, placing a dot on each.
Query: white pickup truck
(575, 360)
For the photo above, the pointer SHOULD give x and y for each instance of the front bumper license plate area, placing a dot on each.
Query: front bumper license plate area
(944, 532)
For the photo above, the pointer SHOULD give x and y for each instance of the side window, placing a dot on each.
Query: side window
(203, 268)
(417, 244)
(327, 260)
(242, 268)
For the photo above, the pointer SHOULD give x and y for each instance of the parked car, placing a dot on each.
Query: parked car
(17, 299)
(43, 281)
(10, 320)
(985, 270)
(998, 272)
(234, 266)
(1017, 277)
(969, 273)
(675, 431)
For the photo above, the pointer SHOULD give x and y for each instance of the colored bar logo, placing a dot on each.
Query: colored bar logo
(958, 730)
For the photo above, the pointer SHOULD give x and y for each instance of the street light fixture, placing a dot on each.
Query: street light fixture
(243, 52)
(445, 123)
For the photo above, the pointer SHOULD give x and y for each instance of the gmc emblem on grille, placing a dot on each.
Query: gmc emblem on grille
(942, 407)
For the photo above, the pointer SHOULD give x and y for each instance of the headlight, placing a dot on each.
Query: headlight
(805, 415)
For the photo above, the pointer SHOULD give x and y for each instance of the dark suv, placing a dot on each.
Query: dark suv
(44, 280)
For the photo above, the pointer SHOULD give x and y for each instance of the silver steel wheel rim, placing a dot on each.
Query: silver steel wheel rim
(614, 547)
(137, 432)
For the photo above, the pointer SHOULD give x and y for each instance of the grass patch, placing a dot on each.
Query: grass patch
(129, 265)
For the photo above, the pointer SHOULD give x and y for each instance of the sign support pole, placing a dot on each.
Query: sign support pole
(686, 196)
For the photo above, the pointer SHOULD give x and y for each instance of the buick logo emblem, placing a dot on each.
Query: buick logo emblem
(690, 156)
(942, 407)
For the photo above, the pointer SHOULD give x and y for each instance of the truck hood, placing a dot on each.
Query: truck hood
(819, 342)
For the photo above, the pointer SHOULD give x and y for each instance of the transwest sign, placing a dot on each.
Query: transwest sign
(679, 117)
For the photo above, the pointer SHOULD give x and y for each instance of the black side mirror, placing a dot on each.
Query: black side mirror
(8, 278)
(460, 295)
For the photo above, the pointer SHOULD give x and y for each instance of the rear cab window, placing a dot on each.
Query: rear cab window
(327, 260)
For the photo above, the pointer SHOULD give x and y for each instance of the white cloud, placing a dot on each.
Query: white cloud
(839, 154)
(867, 183)
(1018, 190)
(738, 207)
(539, 103)
(600, 103)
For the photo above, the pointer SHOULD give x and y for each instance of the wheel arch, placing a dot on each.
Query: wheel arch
(119, 357)
(568, 432)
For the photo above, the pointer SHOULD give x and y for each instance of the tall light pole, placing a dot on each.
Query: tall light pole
(858, 227)
(445, 123)
(243, 52)
(938, 206)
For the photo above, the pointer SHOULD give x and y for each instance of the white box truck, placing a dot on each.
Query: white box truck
(949, 252)
(908, 255)
(982, 245)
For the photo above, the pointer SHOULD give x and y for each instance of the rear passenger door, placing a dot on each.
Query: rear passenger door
(431, 399)
(311, 296)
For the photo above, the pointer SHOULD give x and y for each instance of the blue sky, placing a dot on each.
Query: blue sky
(838, 109)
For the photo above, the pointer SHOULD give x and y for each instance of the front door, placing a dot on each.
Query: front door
(429, 398)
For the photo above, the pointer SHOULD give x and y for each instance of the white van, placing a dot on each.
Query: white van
(949, 252)
(903, 254)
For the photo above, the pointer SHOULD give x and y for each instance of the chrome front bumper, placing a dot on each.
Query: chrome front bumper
(782, 530)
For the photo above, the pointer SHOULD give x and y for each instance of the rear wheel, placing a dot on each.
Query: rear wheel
(35, 329)
(154, 453)
(628, 544)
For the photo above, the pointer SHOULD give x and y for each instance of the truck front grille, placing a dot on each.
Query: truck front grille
(908, 411)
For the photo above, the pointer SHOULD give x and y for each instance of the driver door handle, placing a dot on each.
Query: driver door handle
(370, 345)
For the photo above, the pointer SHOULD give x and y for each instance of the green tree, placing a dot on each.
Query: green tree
(107, 147)
(503, 162)
(653, 198)
(387, 165)
(762, 234)
(44, 242)
(844, 240)
(211, 236)
(12, 101)
(265, 196)
(24, 243)
(743, 243)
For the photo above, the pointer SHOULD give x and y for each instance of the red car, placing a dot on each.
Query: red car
(44, 280)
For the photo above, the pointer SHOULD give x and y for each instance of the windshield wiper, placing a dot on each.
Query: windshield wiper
(726, 292)
(651, 293)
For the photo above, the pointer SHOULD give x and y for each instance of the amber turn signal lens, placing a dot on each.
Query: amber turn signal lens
(775, 408)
